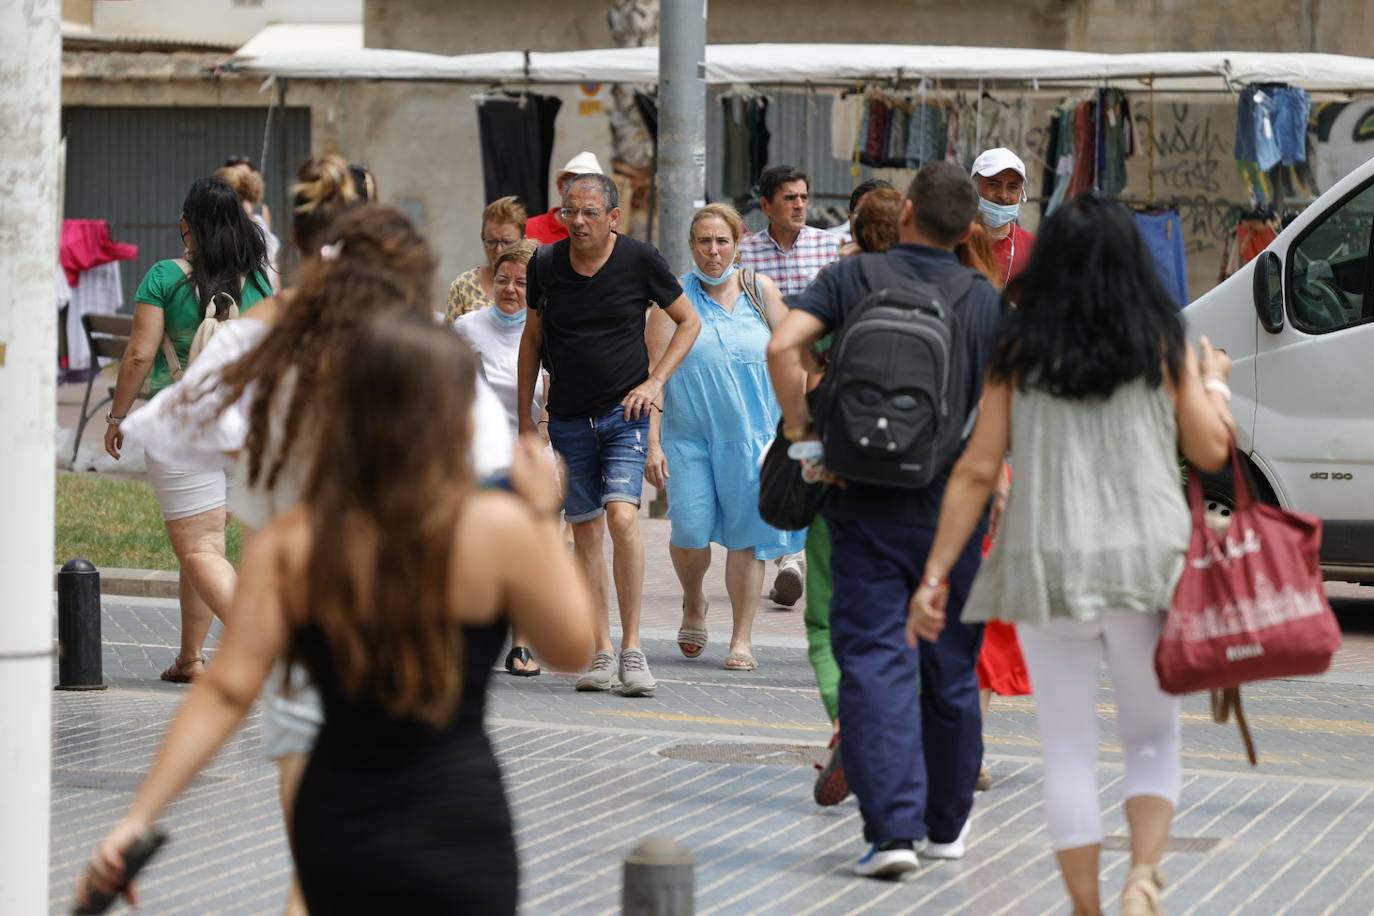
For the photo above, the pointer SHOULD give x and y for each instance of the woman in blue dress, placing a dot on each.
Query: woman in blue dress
(719, 414)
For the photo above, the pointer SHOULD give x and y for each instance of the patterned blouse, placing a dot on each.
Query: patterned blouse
(465, 295)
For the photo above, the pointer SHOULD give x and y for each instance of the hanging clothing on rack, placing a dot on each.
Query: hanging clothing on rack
(1117, 142)
(516, 137)
(927, 134)
(746, 142)
(1163, 235)
(89, 258)
(846, 111)
(1271, 124)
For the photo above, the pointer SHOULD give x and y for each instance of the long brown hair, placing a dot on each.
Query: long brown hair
(977, 253)
(389, 479)
(377, 262)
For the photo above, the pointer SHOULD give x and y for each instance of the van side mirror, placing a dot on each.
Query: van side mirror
(1269, 291)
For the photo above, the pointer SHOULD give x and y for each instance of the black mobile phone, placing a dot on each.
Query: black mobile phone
(135, 857)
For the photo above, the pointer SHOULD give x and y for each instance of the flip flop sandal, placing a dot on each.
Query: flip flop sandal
(176, 674)
(740, 661)
(522, 654)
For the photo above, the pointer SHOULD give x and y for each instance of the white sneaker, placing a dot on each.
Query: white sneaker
(954, 850)
(790, 582)
(886, 863)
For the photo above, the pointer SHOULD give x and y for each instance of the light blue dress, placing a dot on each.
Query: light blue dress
(719, 414)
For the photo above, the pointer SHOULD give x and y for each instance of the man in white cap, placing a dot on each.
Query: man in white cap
(1001, 179)
(546, 228)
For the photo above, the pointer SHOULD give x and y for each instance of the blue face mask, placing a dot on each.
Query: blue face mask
(997, 215)
(709, 280)
(503, 318)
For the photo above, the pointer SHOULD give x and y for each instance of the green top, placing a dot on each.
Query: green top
(181, 313)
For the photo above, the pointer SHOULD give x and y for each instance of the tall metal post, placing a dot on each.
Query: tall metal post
(681, 177)
(30, 105)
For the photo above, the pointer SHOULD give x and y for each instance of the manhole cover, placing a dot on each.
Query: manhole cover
(111, 780)
(1195, 844)
(790, 755)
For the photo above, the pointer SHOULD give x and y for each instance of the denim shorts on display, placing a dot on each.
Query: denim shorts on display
(182, 494)
(605, 456)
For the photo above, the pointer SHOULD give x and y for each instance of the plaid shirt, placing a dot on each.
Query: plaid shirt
(792, 270)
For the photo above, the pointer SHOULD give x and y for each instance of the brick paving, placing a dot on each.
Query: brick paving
(587, 780)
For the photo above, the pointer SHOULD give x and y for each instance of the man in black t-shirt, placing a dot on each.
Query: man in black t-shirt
(911, 730)
(587, 297)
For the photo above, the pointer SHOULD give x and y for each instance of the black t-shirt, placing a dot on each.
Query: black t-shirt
(594, 326)
(840, 286)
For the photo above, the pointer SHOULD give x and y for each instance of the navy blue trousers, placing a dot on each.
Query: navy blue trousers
(911, 733)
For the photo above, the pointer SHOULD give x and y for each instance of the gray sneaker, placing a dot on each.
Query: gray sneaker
(601, 675)
(635, 679)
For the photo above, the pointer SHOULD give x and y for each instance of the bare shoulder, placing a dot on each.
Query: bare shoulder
(283, 544)
(493, 516)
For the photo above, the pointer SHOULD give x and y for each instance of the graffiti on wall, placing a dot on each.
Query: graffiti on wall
(1340, 137)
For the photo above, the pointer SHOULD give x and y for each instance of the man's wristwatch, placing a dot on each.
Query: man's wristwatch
(113, 420)
(934, 582)
(796, 432)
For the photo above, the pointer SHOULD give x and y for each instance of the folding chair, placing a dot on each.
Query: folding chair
(108, 336)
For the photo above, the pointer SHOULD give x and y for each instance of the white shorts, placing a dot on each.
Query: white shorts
(182, 494)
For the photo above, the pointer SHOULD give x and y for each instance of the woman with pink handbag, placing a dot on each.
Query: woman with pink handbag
(1093, 390)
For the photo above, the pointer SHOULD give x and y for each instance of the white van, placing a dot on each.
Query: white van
(1298, 321)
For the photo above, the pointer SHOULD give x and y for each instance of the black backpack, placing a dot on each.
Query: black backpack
(895, 404)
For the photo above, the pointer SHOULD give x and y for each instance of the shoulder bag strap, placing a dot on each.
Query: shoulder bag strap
(541, 271)
(169, 350)
(749, 279)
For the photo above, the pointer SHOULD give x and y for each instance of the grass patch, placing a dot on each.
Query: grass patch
(117, 523)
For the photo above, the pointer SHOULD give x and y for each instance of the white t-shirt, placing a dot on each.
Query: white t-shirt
(497, 345)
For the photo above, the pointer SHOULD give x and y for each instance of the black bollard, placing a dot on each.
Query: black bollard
(658, 879)
(78, 627)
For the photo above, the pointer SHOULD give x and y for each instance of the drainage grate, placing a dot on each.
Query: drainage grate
(111, 780)
(777, 754)
(1194, 844)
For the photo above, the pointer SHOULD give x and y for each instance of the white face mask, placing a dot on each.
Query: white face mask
(997, 215)
(709, 280)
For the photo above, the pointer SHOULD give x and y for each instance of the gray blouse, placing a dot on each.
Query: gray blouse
(1096, 520)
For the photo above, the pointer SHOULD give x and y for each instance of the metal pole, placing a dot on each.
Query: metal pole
(78, 627)
(658, 880)
(681, 176)
(30, 106)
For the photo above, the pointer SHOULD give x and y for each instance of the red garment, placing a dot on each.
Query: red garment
(86, 243)
(1000, 665)
(545, 228)
(1013, 253)
(1001, 668)
(1085, 150)
(1253, 237)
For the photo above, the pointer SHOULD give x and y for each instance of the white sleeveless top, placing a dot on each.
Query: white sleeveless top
(1097, 520)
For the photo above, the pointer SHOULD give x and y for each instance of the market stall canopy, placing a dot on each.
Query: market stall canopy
(837, 64)
(288, 37)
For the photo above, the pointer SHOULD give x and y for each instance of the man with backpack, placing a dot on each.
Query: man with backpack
(913, 331)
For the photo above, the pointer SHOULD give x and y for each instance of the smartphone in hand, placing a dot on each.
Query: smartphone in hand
(135, 857)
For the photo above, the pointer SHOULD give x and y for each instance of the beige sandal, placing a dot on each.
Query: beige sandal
(176, 674)
(1140, 897)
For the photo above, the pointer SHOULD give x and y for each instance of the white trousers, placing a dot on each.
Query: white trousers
(1063, 658)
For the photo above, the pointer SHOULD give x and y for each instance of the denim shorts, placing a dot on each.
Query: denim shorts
(605, 457)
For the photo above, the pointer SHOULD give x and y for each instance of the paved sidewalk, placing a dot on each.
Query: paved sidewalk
(720, 761)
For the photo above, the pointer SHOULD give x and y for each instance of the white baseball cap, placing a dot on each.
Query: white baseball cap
(584, 163)
(996, 161)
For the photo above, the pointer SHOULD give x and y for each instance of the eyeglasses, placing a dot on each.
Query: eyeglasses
(568, 214)
(240, 160)
(498, 243)
(502, 280)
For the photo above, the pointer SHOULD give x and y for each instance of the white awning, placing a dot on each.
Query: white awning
(832, 64)
(294, 37)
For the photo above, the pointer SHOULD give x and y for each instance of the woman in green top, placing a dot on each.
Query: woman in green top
(226, 254)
